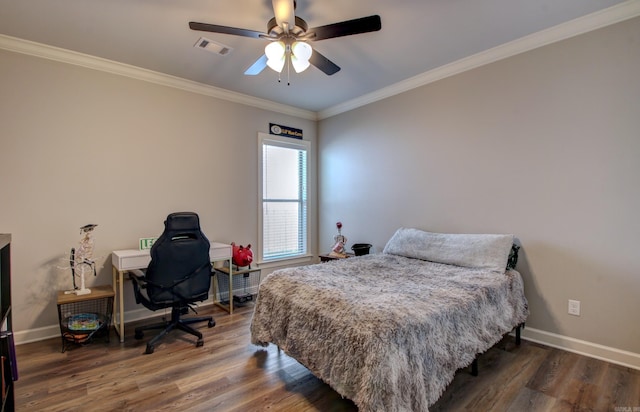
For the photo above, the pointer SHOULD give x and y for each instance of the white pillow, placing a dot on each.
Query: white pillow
(490, 252)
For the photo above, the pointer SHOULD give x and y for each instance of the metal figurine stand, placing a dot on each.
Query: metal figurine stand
(81, 260)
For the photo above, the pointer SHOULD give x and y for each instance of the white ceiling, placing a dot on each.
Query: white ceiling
(417, 36)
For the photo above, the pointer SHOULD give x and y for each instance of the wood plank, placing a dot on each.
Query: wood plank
(230, 374)
(530, 400)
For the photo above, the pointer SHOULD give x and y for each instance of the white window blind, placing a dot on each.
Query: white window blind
(283, 190)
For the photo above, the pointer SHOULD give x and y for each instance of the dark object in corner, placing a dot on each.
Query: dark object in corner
(242, 299)
(474, 364)
(360, 249)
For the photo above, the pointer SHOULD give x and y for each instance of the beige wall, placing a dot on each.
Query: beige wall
(544, 145)
(81, 146)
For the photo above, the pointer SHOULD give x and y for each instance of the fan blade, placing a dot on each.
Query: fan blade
(257, 67)
(214, 28)
(324, 64)
(284, 12)
(347, 28)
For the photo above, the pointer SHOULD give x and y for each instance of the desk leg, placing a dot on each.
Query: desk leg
(230, 286)
(118, 322)
(121, 294)
(116, 300)
(216, 291)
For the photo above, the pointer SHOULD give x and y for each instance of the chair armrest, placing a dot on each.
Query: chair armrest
(137, 273)
(139, 282)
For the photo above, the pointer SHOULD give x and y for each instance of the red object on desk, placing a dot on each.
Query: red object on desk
(242, 256)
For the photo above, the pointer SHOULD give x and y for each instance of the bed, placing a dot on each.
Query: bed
(389, 330)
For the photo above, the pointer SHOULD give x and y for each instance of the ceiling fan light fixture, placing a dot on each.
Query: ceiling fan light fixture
(275, 52)
(301, 50)
(276, 64)
(299, 65)
(286, 29)
(300, 55)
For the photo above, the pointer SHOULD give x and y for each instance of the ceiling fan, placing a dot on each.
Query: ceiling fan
(289, 38)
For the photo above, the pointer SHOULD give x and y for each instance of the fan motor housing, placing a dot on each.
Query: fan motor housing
(301, 27)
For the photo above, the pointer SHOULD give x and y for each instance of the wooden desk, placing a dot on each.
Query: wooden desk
(130, 259)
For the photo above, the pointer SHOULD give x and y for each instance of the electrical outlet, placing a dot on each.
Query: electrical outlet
(574, 307)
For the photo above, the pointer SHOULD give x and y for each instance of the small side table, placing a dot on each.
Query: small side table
(327, 258)
(245, 283)
(84, 317)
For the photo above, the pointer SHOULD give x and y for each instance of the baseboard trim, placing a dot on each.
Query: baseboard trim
(581, 347)
(53, 331)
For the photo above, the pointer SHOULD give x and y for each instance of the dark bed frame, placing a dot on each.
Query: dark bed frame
(474, 364)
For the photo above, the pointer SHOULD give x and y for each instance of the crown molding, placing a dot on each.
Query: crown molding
(621, 12)
(606, 17)
(44, 51)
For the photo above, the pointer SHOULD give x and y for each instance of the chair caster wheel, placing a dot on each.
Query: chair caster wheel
(139, 335)
(199, 343)
(211, 323)
(150, 349)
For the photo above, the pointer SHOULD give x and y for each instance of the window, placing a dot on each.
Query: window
(282, 189)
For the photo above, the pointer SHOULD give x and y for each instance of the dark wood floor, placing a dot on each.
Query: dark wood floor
(230, 374)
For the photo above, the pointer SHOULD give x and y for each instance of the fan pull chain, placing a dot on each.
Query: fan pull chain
(288, 61)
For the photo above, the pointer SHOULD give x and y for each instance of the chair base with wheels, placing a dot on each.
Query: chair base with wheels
(175, 323)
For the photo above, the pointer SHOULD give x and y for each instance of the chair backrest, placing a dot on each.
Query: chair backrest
(180, 253)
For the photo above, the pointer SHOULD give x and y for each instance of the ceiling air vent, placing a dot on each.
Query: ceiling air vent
(212, 46)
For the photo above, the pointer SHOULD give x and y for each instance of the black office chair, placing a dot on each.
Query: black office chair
(178, 275)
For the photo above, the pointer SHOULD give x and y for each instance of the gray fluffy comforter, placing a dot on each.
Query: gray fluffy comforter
(386, 331)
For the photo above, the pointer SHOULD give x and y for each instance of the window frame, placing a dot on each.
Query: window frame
(291, 143)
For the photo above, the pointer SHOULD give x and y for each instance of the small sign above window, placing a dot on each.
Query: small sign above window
(286, 131)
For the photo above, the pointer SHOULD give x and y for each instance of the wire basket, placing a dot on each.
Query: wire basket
(82, 321)
(245, 287)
